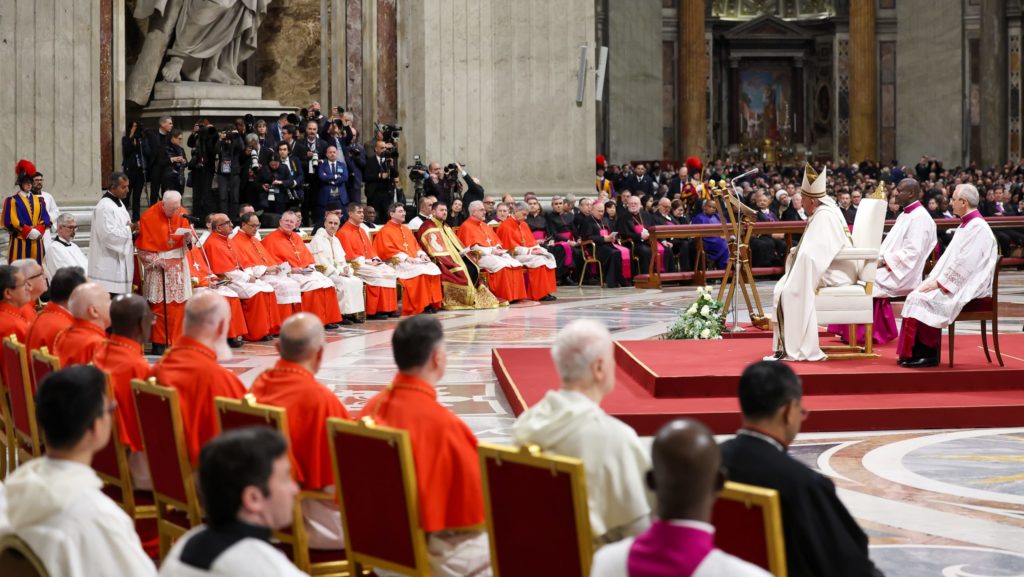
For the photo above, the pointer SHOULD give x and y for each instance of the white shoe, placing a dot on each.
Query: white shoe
(778, 356)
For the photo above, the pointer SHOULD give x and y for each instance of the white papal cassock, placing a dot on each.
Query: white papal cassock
(811, 266)
(111, 252)
(964, 273)
(905, 252)
(327, 251)
(249, 554)
(60, 254)
(569, 423)
(58, 508)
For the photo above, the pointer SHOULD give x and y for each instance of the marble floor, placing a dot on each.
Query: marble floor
(937, 503)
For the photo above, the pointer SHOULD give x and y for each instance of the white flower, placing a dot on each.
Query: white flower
(692, 309)
(705, 333)
(704, 311)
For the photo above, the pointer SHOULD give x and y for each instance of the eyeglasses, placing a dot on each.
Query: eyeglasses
(71, 226)
(35, 276)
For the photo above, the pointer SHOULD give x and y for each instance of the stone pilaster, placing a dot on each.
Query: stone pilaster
(693, 67)
(863, 81)
(992, 69)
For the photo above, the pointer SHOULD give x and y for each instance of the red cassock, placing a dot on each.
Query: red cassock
(191, 367)
(74, 345)
(50, 321)
(201, 273)
(308, 405)
(155, 235)
(418, 292)
(290, 248)
(122, 359)
(262, 316)
(252, 253)
(12, 323)
(443, 448)
(355, 242)
(28, 312)
(509, 282)
(540, 281)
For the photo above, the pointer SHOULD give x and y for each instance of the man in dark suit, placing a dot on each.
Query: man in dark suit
(845, 202)
(629, 223)
(310, 152)
(378, 178)
(640, 182)
(999, 205)
(275, 132)
(821, 536)
(159, 157)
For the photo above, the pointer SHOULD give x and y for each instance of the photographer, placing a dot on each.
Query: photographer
(230, 150)
(203, 142)
(280, 182)
(174, 174)
(136, 153)
(379, 178)
(159, 159)
(254, 158)
(310, 152)
(473, 189)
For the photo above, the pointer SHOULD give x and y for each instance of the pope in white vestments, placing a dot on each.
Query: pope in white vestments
(111, 252)
(810, 266)
(328, 253)
(963, 273)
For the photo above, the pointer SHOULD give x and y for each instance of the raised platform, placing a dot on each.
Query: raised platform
(660, 380)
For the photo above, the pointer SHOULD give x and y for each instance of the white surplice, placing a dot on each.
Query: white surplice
(58, 508)
(111, 252)
(569, 423)
(54, 211)
(490, 260)
(535, 257)
(965, 271)
(409, 267)
(905, 251)
(250, 557)
(374, 272)
(61, 253)
(328, 252)
(811, 266)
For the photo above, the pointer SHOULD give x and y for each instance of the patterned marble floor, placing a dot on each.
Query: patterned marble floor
(935, 503)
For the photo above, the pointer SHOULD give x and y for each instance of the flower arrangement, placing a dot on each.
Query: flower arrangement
(702, 320)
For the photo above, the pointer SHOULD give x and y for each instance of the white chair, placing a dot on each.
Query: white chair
(854, 304)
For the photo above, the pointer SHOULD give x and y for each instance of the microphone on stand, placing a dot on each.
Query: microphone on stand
(732, 183)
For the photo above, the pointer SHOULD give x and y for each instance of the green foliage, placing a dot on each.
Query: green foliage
(702, 320)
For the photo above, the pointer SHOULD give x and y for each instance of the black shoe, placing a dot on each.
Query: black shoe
(430, 310)
(394, 314)
(347, 321)
(359, 318)
(548, 298)
(921, 362)
(236, 342)
(266, 339)
(157, 350)
(332, 326)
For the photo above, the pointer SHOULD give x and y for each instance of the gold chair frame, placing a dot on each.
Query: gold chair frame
(43, 356)
(277, 419)
(588, 260)
(123, 481)
(12, 543)
(531, 456)
(768, 501)
(23, 445)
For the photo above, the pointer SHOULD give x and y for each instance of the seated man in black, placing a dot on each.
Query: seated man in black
(630, 225)
(822, 538)
(594, 227)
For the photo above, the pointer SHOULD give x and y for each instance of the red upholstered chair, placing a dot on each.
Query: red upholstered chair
(25, 439)
(42, 363)
(522, 486)
(246, 412)
(748, 524)
(174, 489)
(375, 480)
(984, 310)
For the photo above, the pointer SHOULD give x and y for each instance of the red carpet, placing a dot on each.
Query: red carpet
(660, 380)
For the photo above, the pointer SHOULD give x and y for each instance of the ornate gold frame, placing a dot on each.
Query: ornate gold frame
(23, 445)
(768, 501)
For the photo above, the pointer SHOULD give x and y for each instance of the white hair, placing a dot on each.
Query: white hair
(171, 195)
(25, 265)
(64, 218)
(577, 346)
(969, 193)
(475, 205)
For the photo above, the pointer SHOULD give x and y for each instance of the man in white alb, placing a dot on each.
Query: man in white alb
(963, 274)
(329, 254)
(63, 252)
(111, 252)
(811, 265)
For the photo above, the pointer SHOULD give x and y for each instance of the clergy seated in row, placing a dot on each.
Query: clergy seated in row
(257, 297)
(462, 287)
(715, 247)
(56, 503)
(567, 258)
(443, 451)
(379, 277)
(120, 356)
(329, 254)
(90, 307)
(810, 266)
(35, 281)
(421, 279)
(766, 250)
(63, 252)
(597, 229)
(246, 487)
(165, 235)
(963, 273)
(515, 237)
(481, 243)
(191, 366)
(680, 247)
(687, 476)
(821, 536)
(630, 225)
(261, 265)
(291, 384)
(901, 259)
(570, 422)
(15, 297)
(318, 293)
(202, 278)
(55, 316)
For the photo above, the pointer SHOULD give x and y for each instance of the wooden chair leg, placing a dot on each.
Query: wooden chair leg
(869, 338)
(851, 333)
(984, 342)
(995, 340)
(952, 331)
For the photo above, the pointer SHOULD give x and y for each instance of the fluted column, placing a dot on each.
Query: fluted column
(863, 81)
(993, 72)
(693, 68)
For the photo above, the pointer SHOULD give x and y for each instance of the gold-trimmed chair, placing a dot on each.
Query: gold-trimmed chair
(111, 465)
(25, 438)
(42, 363)
(524, 485)
(18, 560)
(174, 489)
(246, 412)
(375, 478)
(748, 524)
(589, 259)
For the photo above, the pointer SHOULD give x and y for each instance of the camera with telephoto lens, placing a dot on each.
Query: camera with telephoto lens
(255, 158)
(452, 171)
(390, 132)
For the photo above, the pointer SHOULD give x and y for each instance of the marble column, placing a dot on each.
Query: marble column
(992, 69)
(633, 94)
(387, 62)
(354, 57)
(693, 67)
(863, 81)
(50, 66)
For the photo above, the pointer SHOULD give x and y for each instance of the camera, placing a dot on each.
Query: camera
(255, 157)
(250, 124)
(417, 170)
(390, 132)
